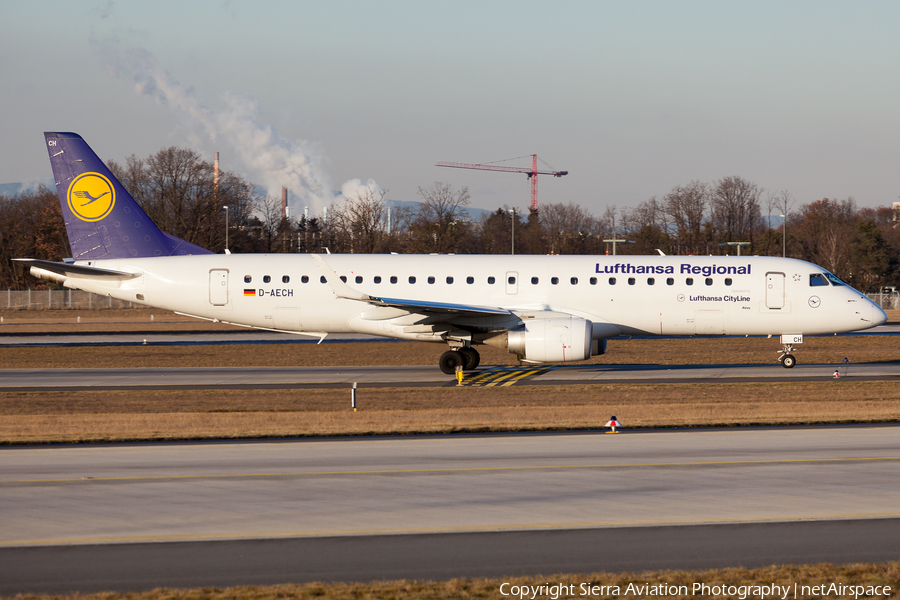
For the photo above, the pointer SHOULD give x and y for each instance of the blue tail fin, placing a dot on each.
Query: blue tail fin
(102, 219)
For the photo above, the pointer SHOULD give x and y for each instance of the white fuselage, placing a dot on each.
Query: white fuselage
(634, 295)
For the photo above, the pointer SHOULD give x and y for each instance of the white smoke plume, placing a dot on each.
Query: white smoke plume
(354, 187)
(266, 157)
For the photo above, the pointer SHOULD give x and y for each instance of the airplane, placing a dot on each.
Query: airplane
(550, 308)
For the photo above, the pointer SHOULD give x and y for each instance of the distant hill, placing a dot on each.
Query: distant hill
(11, 189)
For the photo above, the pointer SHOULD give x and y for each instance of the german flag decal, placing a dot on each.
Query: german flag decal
(249, 292)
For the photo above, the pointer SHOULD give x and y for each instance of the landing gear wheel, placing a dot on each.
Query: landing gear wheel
(450, 360)
(472, 358)
(788, 361)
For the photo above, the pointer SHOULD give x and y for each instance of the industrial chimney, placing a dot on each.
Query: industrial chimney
(216, 182)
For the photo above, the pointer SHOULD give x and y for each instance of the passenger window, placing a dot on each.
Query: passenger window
(817, 279)
(728, 281)
(593, 281)
(449, 280)
(709, 281)
(285, 279)
(412, 278)
(322, 279)
(511, 281)
(689, 281)
(470, 280)
(651, 281)
(574, 281)
(393, 279)
(358, 279)
(670, 281)
(612, 281)
(431, 280)
(266, 279)
(247, 279)
(377, 279)
(535, 281)
(554, 280)
(631, 281)
(491, 280)
(304, 279)
(344, 278)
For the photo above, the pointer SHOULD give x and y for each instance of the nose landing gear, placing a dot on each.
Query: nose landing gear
(787, 359)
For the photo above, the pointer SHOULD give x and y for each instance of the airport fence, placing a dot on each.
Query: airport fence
(59, 299)
(76, 299)
(887, 301)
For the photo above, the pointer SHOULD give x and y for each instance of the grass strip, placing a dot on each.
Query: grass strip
(811, 581)
(107, 416)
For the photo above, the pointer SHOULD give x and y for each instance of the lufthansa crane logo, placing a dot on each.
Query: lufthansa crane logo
(91, 196)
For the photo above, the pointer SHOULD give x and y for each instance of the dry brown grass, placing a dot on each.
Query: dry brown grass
(805, 575)
(99, 320)
(44, 417)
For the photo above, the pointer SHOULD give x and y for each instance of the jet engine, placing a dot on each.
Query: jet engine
(552, 340)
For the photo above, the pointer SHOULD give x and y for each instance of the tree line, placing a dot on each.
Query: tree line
(184, 195)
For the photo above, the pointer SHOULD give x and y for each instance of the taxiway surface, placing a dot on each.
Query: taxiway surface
(357, 509)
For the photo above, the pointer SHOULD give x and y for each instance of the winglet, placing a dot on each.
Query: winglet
(341, 289)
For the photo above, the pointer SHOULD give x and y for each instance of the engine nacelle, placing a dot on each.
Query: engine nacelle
(552, 340)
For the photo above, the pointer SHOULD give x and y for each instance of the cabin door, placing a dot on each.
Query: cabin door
(218, 287)
(774, 290)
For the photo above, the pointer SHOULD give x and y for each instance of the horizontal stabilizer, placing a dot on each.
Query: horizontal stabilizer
(67, 270)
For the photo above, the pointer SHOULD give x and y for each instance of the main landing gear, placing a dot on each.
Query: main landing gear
(466, 357)
(787, 359)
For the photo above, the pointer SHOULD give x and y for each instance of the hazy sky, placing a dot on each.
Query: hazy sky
(632, 98)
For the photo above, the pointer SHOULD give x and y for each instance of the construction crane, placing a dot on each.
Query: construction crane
(532, 173)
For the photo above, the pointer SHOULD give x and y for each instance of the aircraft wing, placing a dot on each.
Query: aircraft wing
(441, 307)
(67, 270)
(342, 290)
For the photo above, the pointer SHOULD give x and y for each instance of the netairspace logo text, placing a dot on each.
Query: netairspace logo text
(743, 592)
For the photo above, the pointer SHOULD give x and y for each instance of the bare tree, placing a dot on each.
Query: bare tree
(31, 226)
(177, 189)
(442, 222)
(646, 225)
(824, 231)
(734, 204)
(268, 211)
(569, 229)
(685, 206)
(360, 219)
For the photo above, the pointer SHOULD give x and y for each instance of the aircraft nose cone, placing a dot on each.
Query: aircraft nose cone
(879, 317)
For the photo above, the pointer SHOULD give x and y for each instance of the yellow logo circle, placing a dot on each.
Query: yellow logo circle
(91, 196)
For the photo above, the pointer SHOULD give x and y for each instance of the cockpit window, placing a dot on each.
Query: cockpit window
(817, 279)
(834, 279)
